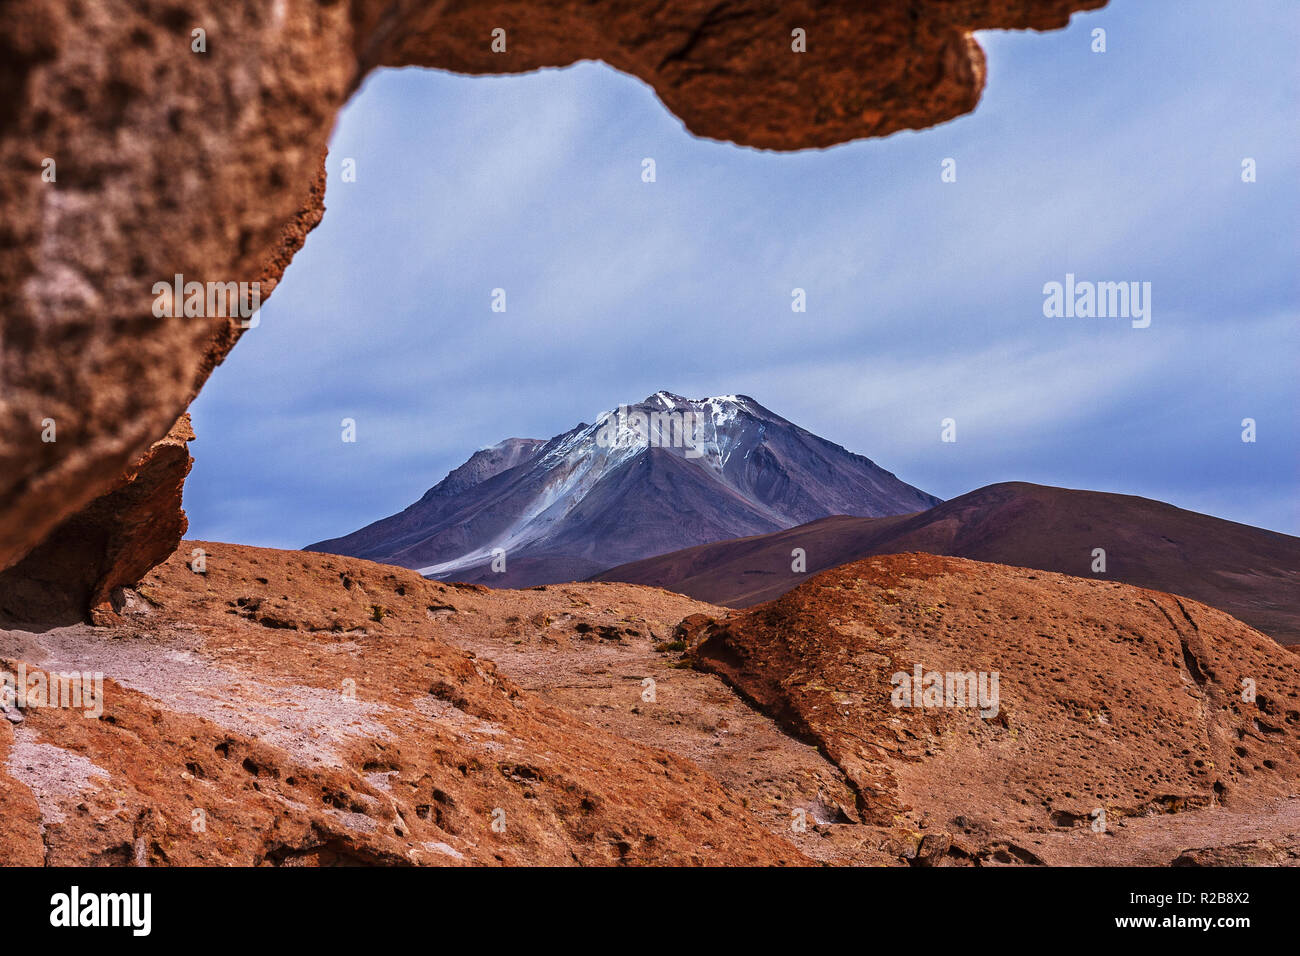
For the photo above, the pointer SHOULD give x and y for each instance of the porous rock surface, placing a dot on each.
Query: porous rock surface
(281, 708)
(109, 544)
(291, 708)
(1111, 698)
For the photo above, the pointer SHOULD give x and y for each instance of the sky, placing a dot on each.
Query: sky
(925, 299)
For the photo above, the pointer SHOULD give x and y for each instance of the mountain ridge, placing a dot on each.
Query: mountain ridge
(1251, 573)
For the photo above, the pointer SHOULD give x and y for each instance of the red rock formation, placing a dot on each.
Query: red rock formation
(296, 709)
(1111, 697)
(169, 161)
(109, 544)
(289, 708)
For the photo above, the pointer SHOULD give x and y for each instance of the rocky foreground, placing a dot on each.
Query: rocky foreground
(285, 708)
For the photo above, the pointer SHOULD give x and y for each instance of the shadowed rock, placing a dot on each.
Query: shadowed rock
(109, 544)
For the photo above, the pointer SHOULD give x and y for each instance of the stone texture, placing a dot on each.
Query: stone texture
(322, 710)
(1110, 697)
(1284, 852)
(296, 709)
(209, 164)
(109, 544)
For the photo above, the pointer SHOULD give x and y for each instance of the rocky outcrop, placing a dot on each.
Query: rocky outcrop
(1111, 702)
(108, 545)
(1284, 852)
(137, 150)
(286, 709)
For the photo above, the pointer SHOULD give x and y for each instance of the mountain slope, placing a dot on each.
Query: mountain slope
(1248, 572)
(661, 475)
(439, 505)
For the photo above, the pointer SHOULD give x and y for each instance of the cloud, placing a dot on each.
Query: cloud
(924, 298)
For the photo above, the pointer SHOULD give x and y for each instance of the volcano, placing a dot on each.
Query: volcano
(663, 474)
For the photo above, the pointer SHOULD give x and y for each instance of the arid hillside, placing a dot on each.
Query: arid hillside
(1111, 702)
(299, 708)
(288, 708)
(1251, 573)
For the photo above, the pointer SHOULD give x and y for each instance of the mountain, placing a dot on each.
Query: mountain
(1248, 572)
(664, 474)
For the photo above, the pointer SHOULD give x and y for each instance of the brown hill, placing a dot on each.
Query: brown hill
(1248, 572)
(1110, 698)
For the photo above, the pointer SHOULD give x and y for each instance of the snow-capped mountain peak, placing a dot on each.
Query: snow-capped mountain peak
(664, 473)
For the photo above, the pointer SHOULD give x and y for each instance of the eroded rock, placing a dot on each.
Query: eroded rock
(1112, 702)
(109, 544)
(226, 739)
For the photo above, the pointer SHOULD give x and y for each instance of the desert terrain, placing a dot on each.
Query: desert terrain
(268, 707)
(293, 708)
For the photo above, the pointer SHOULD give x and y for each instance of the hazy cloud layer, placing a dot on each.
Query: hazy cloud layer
(924, 298)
